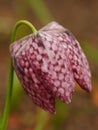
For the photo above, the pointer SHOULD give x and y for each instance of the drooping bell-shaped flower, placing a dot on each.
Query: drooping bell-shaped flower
(47, 63)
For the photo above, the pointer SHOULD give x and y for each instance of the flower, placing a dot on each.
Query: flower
(47, 63)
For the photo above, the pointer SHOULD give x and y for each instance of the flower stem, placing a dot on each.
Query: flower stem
(11, 74)
(18, 24)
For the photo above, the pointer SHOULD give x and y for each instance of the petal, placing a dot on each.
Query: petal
(24, 53)
(80, 64)
(53, 26)
(59, 73)
(78, 61)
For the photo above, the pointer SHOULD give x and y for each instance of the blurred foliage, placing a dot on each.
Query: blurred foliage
(42, 119)
(91, 52)
(5, 25)
(17, 91)
(41, 10)
(0, 120)
(24, 10)
(62, 114)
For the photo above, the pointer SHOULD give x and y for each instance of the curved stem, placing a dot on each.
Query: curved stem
(18, 24)
(11, 74)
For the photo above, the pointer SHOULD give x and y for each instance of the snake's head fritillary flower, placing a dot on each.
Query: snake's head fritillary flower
(47, 63)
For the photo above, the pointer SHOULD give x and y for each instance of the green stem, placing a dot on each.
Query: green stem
(18, 24)
(11, 74)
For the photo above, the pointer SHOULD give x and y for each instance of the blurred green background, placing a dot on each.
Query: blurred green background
(79, 16)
